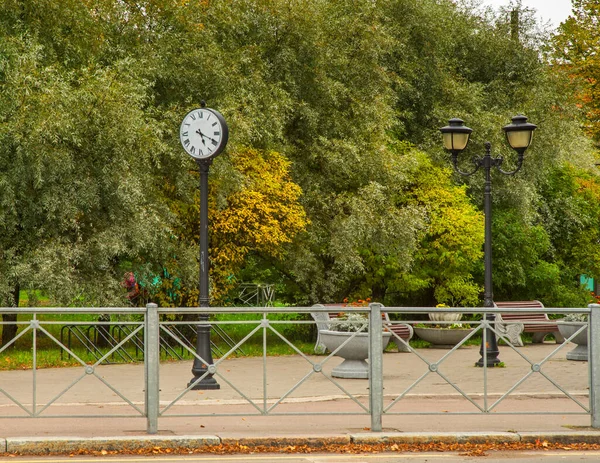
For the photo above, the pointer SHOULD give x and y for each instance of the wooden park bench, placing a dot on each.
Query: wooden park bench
(399, 330)
(513, 324)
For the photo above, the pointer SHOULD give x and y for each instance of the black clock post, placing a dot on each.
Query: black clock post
(203, 134)
(202, 368)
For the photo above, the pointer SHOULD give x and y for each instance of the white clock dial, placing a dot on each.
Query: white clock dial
(203, 133)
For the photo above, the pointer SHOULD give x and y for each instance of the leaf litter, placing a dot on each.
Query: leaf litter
(463, 449)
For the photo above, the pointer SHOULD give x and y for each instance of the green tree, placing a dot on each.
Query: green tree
(576, 51)
(76, 157)
(339, 89)
(484, 72)
(259, 215)
(572, 217)
(451, 247)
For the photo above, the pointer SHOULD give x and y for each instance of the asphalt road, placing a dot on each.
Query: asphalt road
(491, 457)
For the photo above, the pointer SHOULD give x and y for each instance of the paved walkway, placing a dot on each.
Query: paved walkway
(424, 391)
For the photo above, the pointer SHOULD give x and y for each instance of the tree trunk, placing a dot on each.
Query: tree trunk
(378, 292)
(104, 336)
(10, 331)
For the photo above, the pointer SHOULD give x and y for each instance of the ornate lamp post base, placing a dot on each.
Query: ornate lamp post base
(205, 384)
(199, 367)
(489, 352)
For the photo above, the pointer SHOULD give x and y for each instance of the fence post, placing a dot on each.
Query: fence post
(375, 366)
(594, 362)
(151, 363)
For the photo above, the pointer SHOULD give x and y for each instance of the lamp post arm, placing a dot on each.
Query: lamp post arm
(478, 162)
(498, 163)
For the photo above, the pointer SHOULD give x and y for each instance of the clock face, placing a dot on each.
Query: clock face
(203, 133)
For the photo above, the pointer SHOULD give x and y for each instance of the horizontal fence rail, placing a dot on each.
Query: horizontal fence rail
(160, 343)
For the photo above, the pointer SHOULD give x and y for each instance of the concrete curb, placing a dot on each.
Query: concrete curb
(44, 445)
(289, 441)
(442, 437)
(65, 445)
(588, 437)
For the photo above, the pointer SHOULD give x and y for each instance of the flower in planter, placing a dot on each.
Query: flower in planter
(444, 315)
(350, 322)
(453, 326)
(459, 326)
(575, 317)
(357, 303)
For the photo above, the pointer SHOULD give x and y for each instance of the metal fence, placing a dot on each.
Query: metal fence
(156, 326)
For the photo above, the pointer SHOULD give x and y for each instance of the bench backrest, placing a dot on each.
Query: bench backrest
(519, 305)
(522, 316)
(538, 321)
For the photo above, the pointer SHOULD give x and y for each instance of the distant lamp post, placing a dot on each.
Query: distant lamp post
(455, 138)
(203, 135)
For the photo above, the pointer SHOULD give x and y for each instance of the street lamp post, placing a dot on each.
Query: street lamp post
(203, 134)
(455, 138)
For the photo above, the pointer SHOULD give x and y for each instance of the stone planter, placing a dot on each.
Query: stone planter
(442, 337)
(450, 317)
(354, 352)
(567, 329)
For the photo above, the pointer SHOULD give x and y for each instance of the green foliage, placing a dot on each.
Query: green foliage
(530, 243)
(576, 53)
(75, 166)
(331, 185)
(555, 251)
(260, 216)
(451, 244)
(572, 217)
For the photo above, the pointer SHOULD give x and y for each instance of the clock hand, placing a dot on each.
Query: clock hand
(199, 132)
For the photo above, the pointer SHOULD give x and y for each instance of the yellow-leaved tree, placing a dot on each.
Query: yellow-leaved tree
(253, 208)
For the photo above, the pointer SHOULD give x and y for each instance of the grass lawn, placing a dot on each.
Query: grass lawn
(83, 340)
(86, 340)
